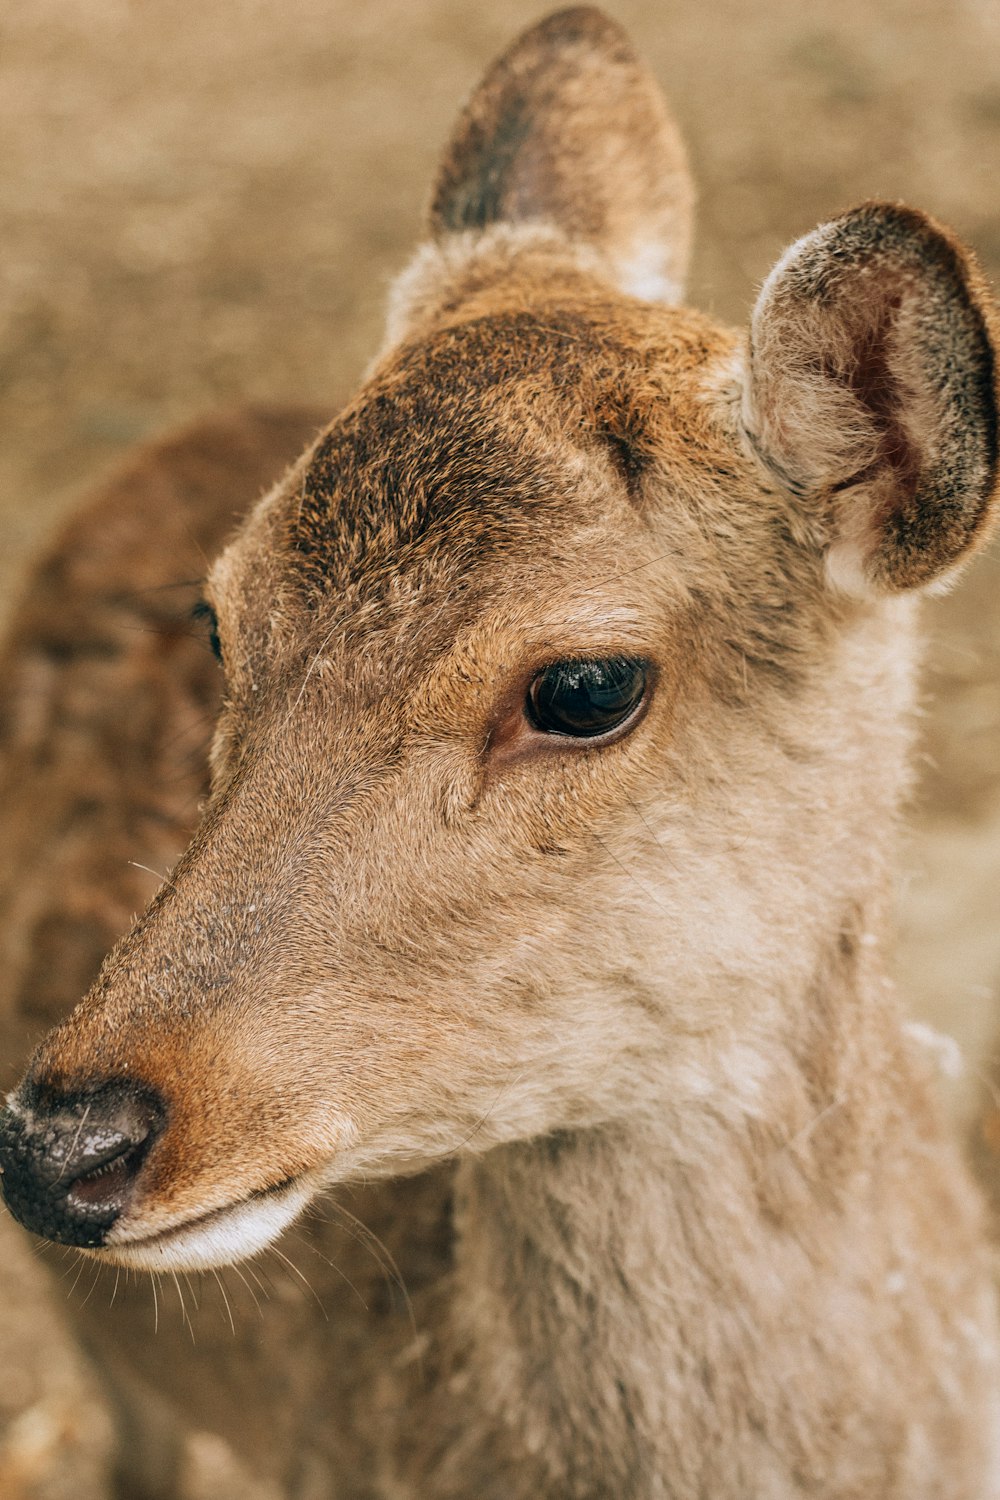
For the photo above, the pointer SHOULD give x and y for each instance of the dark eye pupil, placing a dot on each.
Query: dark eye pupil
(586, 698)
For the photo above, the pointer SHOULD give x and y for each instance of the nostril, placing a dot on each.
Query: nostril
(107, 1183)
(69, 1162)
(94, 1136)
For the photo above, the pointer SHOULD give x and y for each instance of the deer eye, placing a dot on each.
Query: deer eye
(587, 698)
(204, 611)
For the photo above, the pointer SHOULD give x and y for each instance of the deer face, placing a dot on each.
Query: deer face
(541, 709)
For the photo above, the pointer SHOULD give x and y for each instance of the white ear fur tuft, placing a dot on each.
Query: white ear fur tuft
(845, 571)
(644, 272)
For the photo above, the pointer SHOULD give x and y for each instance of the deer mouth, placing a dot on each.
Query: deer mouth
(219, 1237)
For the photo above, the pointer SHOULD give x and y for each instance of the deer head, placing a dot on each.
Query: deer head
(566, 681)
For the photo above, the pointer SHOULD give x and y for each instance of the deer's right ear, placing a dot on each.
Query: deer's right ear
(872, 394)
(568, 130)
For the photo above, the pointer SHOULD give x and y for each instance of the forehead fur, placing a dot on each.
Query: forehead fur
(510, 420)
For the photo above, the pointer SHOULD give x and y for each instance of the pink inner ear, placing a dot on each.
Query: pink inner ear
(881, 393)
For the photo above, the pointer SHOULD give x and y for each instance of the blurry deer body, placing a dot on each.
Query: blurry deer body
(709, 1237)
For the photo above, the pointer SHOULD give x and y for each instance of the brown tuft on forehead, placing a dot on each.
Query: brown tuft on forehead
(464, 441)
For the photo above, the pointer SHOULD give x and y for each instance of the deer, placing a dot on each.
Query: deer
(541, 890)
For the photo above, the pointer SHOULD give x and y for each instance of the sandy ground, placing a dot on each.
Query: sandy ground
(201, 203)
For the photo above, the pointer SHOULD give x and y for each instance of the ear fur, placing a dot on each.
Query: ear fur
(872, 390)
(569, 130)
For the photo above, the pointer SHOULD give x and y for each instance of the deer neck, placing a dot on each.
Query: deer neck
(649, 1298)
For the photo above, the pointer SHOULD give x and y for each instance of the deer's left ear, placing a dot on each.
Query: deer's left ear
(871, 390)
(568, 129)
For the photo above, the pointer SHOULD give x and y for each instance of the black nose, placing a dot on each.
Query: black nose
(69, 1162)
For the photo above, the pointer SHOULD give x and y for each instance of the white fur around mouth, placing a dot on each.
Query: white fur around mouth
(217, 1238)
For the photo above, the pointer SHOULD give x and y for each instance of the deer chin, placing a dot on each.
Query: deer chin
(217, 1238)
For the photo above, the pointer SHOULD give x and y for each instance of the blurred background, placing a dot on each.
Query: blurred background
(204, 203)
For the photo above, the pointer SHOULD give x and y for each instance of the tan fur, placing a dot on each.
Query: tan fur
(690, 1224)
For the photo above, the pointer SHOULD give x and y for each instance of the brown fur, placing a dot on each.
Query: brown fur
(704, 1234)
